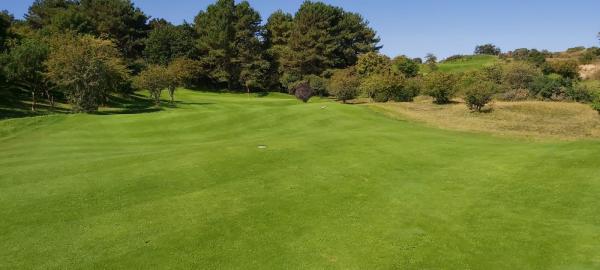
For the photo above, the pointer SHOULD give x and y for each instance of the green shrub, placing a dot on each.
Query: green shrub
(385, 87)
(441, 86)
(344, 84)
(318, 84)
(519, 75)
(596, 106)
(548, 87)
(567, 69)
(580, 93)
(373, 63)
(478, 94)
(406, 66)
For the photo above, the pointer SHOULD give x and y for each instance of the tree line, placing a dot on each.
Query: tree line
(86, 50)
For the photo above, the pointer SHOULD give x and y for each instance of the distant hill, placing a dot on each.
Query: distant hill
(466, 63)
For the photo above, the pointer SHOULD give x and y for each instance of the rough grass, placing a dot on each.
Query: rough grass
(533, 119)
(338, 187)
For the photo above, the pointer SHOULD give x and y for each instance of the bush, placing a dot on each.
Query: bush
(318, 84)
(520, 75)
(478, 94)
(546, 87)
(441, 86)
(303, 91)
(596, 106)
(580, 93)
(568, 69)
(406, 66)
(385, 87)
(344, 84)
(373, 63)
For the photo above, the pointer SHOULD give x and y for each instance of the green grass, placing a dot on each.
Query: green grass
(469, 63)
(339, 187)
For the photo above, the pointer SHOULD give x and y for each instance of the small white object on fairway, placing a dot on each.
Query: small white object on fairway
(323, 107)
(262, 147)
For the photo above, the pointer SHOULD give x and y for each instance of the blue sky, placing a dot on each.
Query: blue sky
(443, 27)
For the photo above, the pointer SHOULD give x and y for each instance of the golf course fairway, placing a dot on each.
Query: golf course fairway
(227, 181)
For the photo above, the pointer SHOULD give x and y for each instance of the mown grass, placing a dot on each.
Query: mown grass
(338, 187)
(468, 63)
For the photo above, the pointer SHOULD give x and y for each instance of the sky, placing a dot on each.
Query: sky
(442, 27)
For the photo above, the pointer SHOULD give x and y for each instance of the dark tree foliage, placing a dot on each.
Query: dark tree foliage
(229, 44)
(534, 56)
(325, 37)
(41, 12)
(489, 49)
(119, 20)
(303, 91)
(25, 68)
(168, 42)
(6, 20)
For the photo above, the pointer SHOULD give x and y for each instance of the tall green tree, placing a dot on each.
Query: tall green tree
(324, 37)
(230, 45)
(6, 20)
(119, 20)
(41, 12)
(277, 34)
(216, 32)
(168, 42)
(25, 68)
(251, 66)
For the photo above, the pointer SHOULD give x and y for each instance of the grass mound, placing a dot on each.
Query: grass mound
(339, 187)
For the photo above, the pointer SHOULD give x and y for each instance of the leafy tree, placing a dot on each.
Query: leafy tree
(26, 68)
(168, 42)
(441, 86)
(181, 72)
(405, 66)
(344, 84)
(187, 71)
(87, 69)
(431, 61)
(373, 63)
(489, 49)
(478, 94)
(155, 78)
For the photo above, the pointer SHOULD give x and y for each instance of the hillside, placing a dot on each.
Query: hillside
(468, 63)
(226, 181)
